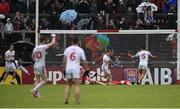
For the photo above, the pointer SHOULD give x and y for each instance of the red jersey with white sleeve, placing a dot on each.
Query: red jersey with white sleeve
(40, 54)
(74, 54)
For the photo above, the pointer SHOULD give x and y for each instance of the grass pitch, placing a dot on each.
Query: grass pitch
(92, 96)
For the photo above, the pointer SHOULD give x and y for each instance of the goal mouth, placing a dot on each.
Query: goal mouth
(120, 41)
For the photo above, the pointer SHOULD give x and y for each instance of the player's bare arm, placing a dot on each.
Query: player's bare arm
(153, 56)
(64, 63)
(33, 56)
(130, 55)
(7, 58)
(53, 41)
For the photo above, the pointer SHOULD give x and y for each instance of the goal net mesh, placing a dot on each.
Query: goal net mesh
(94, 44)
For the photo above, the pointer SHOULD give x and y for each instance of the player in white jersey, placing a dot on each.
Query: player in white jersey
(143, 62)
(10, 64)
(105, 66)
(38, 55)
(72, 59)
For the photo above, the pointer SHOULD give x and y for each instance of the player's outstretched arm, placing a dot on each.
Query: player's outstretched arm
(53, 41)
(153, 56)
(130, 55)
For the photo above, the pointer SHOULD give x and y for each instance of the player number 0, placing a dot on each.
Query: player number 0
(38, 55)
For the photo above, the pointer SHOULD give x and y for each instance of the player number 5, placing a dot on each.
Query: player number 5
(143, 56)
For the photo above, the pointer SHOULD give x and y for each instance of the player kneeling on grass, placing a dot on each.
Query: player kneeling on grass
(143, 63)
(38, 56)
(72, 57)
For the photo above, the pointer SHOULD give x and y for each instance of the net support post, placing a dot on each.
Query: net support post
(147, 42)
(37, 23)
(178, 43)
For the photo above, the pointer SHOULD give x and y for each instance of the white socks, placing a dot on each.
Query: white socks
(39, 85)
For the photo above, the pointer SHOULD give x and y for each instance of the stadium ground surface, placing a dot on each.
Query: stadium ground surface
(93, 96)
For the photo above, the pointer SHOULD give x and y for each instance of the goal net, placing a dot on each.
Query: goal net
(161, 43)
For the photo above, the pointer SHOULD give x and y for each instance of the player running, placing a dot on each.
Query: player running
(10, 64)
(38, 56)
(143, 63)
(72, 57)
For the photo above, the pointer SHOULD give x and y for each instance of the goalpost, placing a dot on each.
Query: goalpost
(116, 32)
(178, 43)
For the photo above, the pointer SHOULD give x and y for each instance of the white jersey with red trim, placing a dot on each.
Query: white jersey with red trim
(10, 55)
(74, 54)
(106, 60)
(143, 57)
(10, 65)
(40, 55)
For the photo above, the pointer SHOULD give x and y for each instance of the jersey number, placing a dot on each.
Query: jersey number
(143, 56)
(72, 56)
(38, 55)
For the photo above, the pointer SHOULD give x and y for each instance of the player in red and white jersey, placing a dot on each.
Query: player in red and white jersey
(38, 55)
(72, 58)
(85, 76)
(143, 61)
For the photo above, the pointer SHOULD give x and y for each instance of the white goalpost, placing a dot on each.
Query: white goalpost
(178, 42)
(37, 22)
(168, 31)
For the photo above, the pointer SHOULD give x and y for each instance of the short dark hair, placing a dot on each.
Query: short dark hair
(75, 40)
(143, 47)
(41, 39)
(11, 46)
(107, 50)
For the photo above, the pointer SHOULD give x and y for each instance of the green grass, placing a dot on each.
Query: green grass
(93, 96)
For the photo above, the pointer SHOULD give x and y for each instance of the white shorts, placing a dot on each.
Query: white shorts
(10, 67)
(106, 70)
(72, 75)
(144, 67)
(39, 70)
